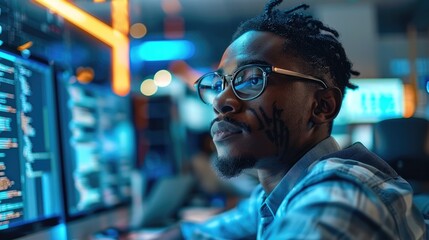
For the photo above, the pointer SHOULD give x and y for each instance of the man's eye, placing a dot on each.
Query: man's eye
(217, 86)
(252, 81)
(249, 83)
(255, 80)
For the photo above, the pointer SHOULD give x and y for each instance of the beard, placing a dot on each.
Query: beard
(232, 167)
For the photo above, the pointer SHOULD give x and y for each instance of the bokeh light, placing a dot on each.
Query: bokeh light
(148, 87)
(171, 6)
(162, 78)
(26, 53)
(138, 30)
(84, 75)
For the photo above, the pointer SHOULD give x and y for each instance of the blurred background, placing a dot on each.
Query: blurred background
(110, 83)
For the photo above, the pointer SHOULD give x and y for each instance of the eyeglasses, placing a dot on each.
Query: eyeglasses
(248, 82)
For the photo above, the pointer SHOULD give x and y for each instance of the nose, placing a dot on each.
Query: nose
(226, 102)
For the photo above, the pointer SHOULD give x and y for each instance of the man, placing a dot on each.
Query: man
(279, 86)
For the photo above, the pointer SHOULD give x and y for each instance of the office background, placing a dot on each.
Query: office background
(108, 85)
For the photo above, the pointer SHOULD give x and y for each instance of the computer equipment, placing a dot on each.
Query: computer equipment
(375, 99)
(153, 212)
(159, 206)
(97, 143)
(30, 182)
(165, 199)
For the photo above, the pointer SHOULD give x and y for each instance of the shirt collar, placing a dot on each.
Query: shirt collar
(325, 147)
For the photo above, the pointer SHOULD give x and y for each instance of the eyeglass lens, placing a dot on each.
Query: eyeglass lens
(247, 84)
(209, 87)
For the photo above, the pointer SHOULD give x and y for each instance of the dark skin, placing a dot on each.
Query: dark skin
(285, 122)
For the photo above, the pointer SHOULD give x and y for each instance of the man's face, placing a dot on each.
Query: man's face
(271, 131)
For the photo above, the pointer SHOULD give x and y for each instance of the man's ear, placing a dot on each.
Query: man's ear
(328, 104)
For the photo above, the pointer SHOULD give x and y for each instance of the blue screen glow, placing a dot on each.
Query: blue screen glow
(164, 50)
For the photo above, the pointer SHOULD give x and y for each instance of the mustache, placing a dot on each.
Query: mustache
(241, 125)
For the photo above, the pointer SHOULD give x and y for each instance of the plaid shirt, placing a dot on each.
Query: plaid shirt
(327, 194)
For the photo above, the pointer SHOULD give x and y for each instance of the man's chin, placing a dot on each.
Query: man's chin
(229, 167)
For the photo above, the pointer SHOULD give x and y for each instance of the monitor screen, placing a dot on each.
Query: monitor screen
(30, 182)
(97, 144)
(374, 100)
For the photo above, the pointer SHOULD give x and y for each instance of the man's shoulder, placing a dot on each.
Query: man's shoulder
(356, 161)
(341, 169)
(333, 173)
(357, 171)
(354, 164)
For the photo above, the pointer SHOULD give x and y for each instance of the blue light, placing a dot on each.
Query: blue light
(165, 50)
(427, 86)
(58, 232)
(7, 56)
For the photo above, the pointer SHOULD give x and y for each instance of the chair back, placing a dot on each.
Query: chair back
(404, 144)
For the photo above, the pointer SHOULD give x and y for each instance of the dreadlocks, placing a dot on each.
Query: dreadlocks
(307, 38)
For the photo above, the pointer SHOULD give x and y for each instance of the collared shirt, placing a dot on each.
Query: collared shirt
(327, 194)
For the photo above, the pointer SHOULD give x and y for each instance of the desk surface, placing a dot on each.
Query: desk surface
(83, 228)
(88, 228)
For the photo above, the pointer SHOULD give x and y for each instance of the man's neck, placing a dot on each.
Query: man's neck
(270, 179)
(272, 173)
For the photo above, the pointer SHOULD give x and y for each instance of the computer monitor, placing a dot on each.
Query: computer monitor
(30, 182)
(375, 99)
(97, 142)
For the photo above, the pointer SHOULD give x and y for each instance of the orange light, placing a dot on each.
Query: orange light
(121, 53)
(409, 100)
(121, 70)
(84, 75)
(25, 46)
(115, 38)
(120, 19)
(83, 20)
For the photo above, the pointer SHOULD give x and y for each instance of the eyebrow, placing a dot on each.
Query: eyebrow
(251, 61)
(244, 63)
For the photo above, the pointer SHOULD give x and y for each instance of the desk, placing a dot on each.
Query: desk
(82, 229)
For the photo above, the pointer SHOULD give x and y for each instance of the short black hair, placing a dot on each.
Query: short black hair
(306, 38)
